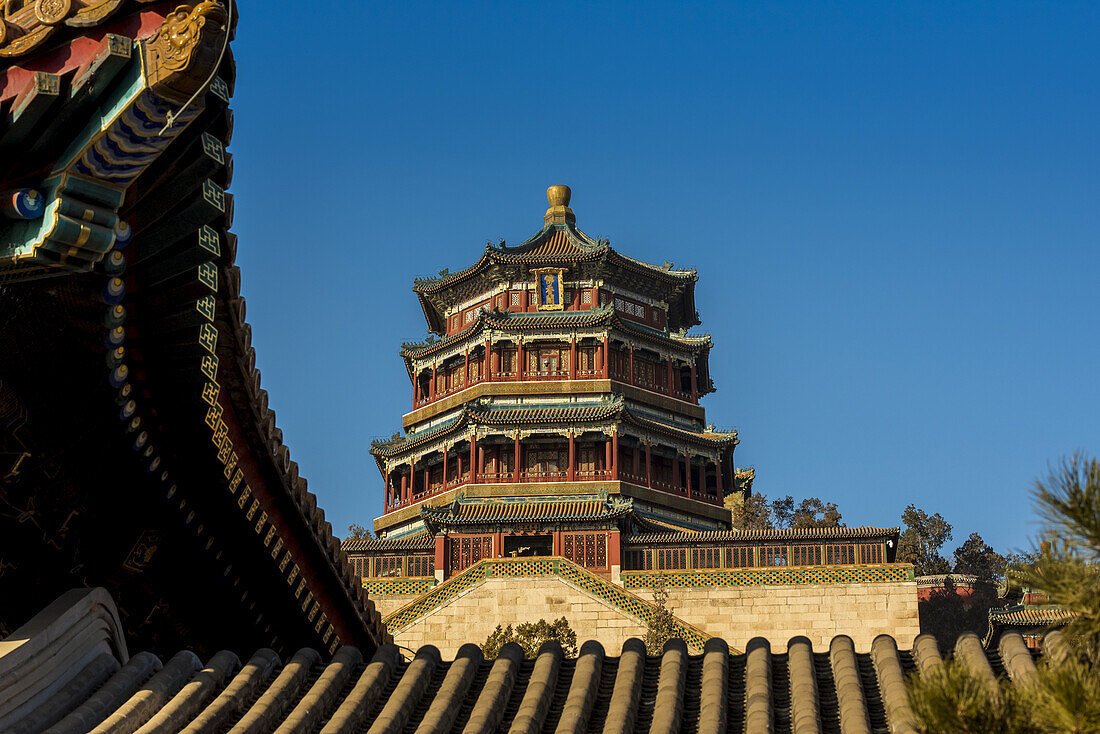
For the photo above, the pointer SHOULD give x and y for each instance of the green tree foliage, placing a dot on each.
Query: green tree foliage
(662, 627)
(753, 513)
(356, 532)
(809, 513)
(977, 558)
(921, 540)
(1065, 694)
(531, 636)
(1069, 572)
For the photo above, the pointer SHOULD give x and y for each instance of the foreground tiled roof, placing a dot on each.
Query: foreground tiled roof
(763, 534)
(69, 677)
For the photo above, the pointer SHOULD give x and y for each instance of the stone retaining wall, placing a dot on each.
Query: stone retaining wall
(735, 613)
(818, 611)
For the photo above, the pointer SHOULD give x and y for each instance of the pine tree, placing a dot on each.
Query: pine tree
(1065, 694)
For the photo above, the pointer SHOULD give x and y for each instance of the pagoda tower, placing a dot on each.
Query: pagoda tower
(555, 407)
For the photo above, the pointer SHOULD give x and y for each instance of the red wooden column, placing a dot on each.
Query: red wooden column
(524, 299)
(631, 376)
(488, 370)
(615, 455)
(444, 468)
(466, 368)
(614, 555)
(516, 462)
(458, 458)
(606, 353)
(607, 460)
(473, 459)
(416, 389)
(427, 477)
(694, 386)
(412, 481)
(648, 466)
(440, 557)
(480, 459)
(432, 386)
(669, 363)
(572, 463)
(519, 361)
(572, 356)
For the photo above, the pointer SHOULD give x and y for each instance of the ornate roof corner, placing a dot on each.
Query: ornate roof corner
(179, 57)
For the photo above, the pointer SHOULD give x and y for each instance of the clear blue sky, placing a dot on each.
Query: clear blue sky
(893, 207)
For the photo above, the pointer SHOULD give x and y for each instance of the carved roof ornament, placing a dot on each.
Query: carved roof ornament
(180, 56)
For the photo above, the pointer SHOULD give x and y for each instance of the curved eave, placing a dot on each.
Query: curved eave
(716, 440)
(511, 322)
(473, 414)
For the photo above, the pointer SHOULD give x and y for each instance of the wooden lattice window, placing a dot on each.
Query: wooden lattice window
(840, 555)
(706, 557)
(585, 549)
(774, 555)
(739, 557)
(806, 555)
(672, 559)
(586, 296)
(514, 295)
(387, 566)
(548, 360)
(421, 565)
(468, 550)
(870, 553)
(644, 372)
(546, 462)
(586, 359)
(639, 560)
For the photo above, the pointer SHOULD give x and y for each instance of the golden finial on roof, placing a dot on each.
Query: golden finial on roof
(559, 211)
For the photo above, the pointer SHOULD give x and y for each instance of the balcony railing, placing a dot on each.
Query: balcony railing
(589, 474)
(555, 375)
(547, 375)
(545, 476)
(495, 477)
